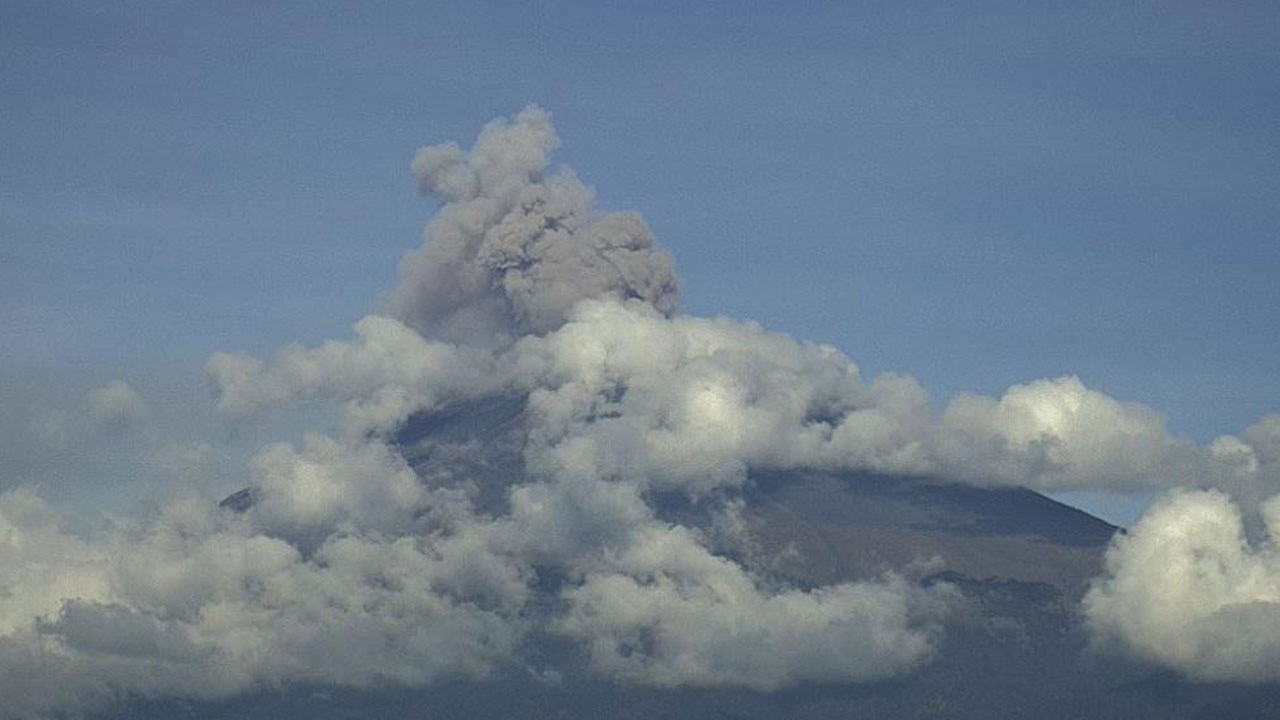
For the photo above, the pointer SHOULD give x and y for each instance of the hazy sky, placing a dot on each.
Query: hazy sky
(978, 195)
(1066, 209)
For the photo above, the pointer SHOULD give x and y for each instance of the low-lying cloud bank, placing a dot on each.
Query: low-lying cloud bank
(690, 402)
(347, 568)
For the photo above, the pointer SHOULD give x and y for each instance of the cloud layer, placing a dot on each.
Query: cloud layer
(689, 403)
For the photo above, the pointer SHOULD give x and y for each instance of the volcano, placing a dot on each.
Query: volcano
(1014, 643)
(814, 528)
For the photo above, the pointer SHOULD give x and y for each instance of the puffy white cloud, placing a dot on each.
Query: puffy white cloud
(312, 491)
(667, 612)
(1248, 466)
(41, 562)
(691, 403)
(200, 602)
(387, 372)
(681, 403)
(116, 404)
(1186, 589)
(1060, 434)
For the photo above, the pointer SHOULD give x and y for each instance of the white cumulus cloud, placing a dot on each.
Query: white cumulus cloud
(116, 404)
(1185, 588)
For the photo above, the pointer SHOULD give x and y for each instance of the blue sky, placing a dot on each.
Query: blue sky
(976, 194)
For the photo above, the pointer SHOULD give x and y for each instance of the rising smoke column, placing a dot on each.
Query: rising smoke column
(514, 248)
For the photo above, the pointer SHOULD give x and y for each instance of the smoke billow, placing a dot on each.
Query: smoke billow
(348, 565)
(512, 249)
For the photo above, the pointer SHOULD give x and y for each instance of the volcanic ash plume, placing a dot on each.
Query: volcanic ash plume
(512, 248)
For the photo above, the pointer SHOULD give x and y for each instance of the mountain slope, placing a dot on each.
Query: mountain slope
(810, 527)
